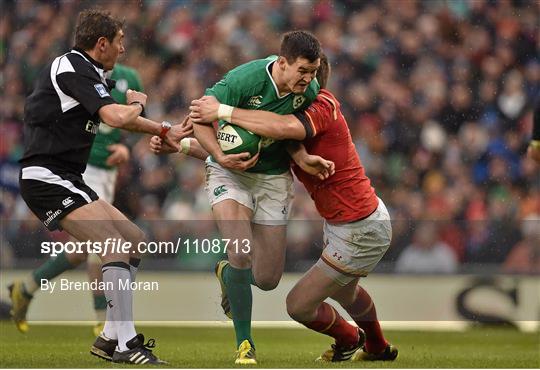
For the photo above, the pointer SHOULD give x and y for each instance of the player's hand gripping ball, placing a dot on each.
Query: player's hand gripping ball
(234, 139)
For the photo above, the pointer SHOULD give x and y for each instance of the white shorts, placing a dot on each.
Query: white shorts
(102, 181)
(268, 196)
(352, 250)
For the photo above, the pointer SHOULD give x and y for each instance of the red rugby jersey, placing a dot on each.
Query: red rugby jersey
(347, 195)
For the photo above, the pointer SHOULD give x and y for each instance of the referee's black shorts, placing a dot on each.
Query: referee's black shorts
(52, 194)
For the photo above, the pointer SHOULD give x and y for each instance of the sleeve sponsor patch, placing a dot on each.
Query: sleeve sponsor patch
(102, 91)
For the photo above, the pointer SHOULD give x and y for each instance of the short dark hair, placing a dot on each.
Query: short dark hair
(300, 44)
(323, 73)
(93, 24)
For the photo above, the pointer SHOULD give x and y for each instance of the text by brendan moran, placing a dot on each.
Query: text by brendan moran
(121, 284)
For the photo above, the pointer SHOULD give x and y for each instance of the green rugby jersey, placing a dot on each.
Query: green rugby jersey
(126, 78)
(250, 86)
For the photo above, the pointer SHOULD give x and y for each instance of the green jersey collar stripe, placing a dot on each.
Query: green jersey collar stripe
(273, 82)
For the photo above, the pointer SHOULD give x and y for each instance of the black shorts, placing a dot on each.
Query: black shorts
(52, 194)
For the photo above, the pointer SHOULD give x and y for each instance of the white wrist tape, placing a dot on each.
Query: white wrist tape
(185, 143)
(225, 112)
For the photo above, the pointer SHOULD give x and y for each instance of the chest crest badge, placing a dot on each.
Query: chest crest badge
(298, 100)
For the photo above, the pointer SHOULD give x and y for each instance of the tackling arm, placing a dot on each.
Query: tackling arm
(268, 124)
(263, 123)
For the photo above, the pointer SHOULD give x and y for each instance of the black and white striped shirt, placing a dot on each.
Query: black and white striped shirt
(61, 115)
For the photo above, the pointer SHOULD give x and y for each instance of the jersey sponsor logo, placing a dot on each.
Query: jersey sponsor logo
(67, 202)
(102, 91)
(92, 127)
(298, 101)
(220, 190)
(51, 215)
(255, 101)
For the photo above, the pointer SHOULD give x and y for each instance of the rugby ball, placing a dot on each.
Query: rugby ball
(234, 139)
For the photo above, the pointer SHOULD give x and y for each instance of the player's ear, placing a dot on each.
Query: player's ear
(282, 61)
(102, 43)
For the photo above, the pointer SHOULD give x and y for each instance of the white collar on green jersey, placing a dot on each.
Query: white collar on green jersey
(273, 82)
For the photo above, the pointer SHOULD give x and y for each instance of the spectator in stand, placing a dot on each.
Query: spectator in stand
(427, 254)
(525, 255)
(463, 74)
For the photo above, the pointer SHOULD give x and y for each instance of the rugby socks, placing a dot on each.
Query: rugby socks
(328, 321)
(363, 312)
(109, 328)
(238, 284)
(98, 296)
(53, 267)
(100, 304)
(116, 275)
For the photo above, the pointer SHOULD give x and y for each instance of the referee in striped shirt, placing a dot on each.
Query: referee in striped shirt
(62, 116)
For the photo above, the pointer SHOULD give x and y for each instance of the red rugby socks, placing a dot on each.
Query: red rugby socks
(328, 321)
(363, 312)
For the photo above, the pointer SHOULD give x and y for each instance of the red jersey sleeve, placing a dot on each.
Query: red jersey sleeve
(319, 114)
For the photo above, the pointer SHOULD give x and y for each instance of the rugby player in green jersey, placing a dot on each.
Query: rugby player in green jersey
(107, 153)
(251, 199)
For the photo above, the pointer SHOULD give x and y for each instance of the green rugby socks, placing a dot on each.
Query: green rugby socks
(238, 284)
(53, 267)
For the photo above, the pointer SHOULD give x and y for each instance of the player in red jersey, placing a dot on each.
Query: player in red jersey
(357, 230)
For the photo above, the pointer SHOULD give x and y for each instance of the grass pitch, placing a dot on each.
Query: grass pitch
(188, 347)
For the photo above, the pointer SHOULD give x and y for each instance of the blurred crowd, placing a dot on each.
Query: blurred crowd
(438, 96)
